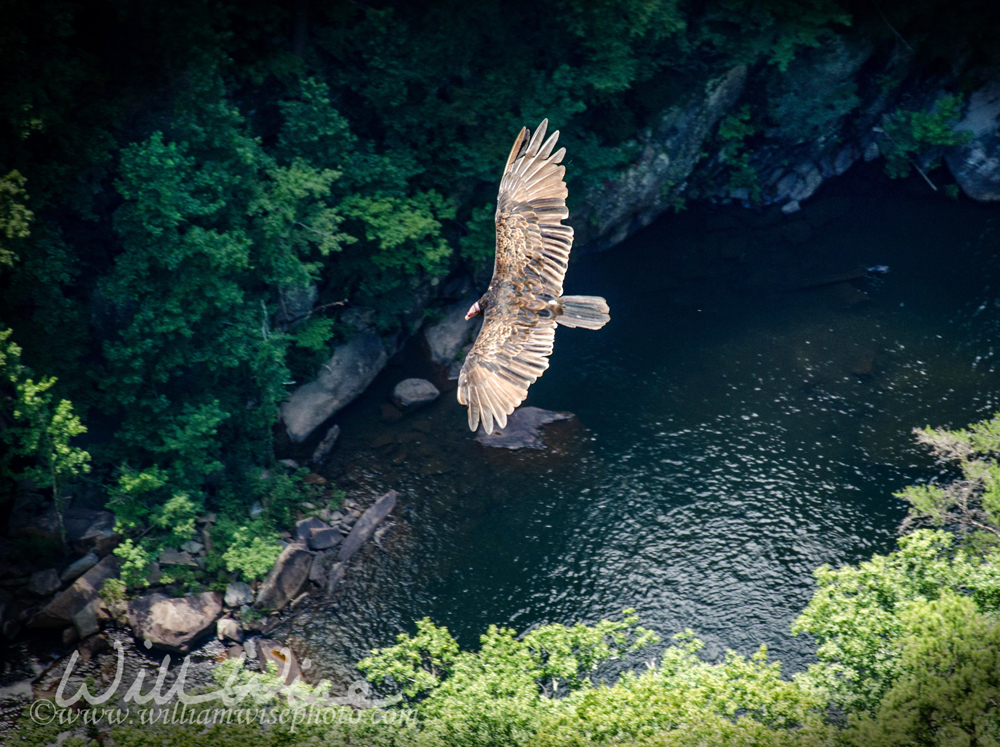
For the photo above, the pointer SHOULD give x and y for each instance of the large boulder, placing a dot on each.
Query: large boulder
(286, 578)
(89, 530)
(174, 623)
(349, 371)
(85, 590)
(76, 569)
(667, 155)
(976, 164)
(238, 594)
(324, 538)
(411, 393)
(305, 527)
(446, 338)
(365, 526)
(523, 429)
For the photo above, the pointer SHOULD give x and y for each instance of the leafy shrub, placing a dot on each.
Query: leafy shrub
(250, 553)
(908, 136)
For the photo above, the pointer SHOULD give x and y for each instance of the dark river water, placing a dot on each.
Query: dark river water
(740, 421)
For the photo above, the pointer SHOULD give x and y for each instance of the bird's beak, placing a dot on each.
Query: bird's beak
(474, 310)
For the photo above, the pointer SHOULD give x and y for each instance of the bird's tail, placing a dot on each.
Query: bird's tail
(589, 312)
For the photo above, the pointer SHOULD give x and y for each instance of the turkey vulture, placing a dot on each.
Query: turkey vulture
(524, 301)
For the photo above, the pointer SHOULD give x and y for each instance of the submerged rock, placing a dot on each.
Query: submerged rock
(174, 624)
(411, 393)
(273, 654)
(523, 429)
(365, 526)
(976, 165)
(353, 366)
(326, 445)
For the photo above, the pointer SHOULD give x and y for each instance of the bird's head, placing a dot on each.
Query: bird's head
(474, 310)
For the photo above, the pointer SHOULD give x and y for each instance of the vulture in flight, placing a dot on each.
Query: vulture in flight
(525, 300)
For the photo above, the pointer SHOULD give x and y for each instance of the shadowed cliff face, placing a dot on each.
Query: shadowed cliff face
(744, 417)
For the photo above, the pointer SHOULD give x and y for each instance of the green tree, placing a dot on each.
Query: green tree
(972, 501)
(41, 429)
(948, 691)
(858, 613)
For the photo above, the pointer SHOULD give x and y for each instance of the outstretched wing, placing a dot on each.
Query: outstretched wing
(533, 247)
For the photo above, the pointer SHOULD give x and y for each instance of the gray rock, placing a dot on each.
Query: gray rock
(523, 429)
(79, 567)
(317, 573)
(365, 526)
(238, 594)
(324, 538)
(192, 547)
(290, 463)
(446, 338)
(88, 530)
(326, 445)
(85, 621)
(871, 152)
(44, 582)
(59, 612)
(256, 510)
(667, 154)
(844, 159)
(174, 623)
(336, 575)
(791, 207)
(286, 578)
(976, 165)
(228, 628)
(172, 556)
(411, 393)
(353, 366)
(304, 528)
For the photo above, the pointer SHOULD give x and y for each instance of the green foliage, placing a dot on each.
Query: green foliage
(176, 518)
(136, 563)
(734, 129)
(809, 101)
(908, 136)
(971, 502)
(14, 216)
(251, 553)
(113, 591)
(39, 430)
(948, 691)
(857, 613)
(135, 496)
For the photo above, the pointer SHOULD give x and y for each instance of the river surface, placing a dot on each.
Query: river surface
(740, 421)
